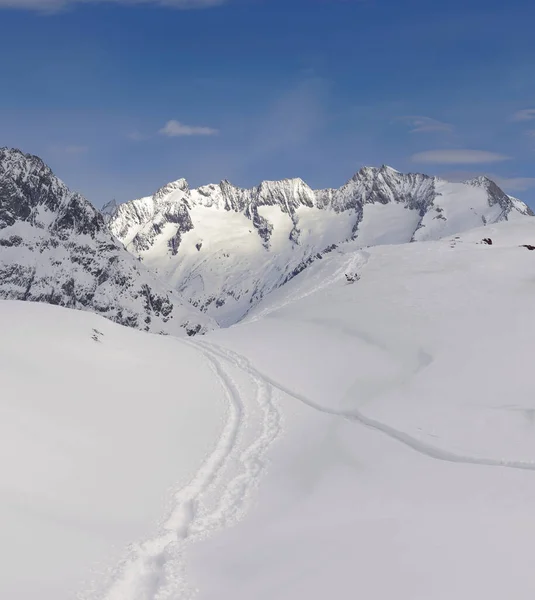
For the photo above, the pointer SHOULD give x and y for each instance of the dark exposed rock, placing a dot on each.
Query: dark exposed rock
(109, 209)
(56, 248)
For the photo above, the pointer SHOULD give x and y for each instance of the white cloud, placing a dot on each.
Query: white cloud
(458, 157)
(176, 129)
(421, 124)
(54, 5)
(527, 114)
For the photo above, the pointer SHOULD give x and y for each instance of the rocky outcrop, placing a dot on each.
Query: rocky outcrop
(55, 247)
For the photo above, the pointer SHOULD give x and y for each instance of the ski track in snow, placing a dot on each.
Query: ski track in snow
(400, 436)
(155, 569)
(232, 504)
(357, 260)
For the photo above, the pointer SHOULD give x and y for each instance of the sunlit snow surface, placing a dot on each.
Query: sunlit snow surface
(225, 249)
(407, 469)
(367, 440)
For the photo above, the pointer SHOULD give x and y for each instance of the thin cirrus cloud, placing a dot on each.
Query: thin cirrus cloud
(55, 5)
(76, 149)
(514, 184)
(177, 129)
(458, 157)
(527, 114)
(71, 149)
(420, 124)
(508, 184)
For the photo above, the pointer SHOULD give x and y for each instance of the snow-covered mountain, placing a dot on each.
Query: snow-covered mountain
(55, 247)
(225, 248)
(377, 435)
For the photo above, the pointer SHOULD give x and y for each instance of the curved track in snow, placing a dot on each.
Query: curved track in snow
(400, 436)
(217, 497)
(155, 568)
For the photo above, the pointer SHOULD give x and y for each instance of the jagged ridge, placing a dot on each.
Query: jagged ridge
(225, 247)
(56, 248)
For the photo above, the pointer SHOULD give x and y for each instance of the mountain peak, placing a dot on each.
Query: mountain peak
(369, 173)
(20, 165)
(481, 180)
(294, 183)
(7, 153)
(388, 169)
(109, 209)
(56, 248)
(254, 240)
(31, 192)
(180, 185)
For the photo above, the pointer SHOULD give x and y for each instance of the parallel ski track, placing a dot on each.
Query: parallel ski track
(155, 568)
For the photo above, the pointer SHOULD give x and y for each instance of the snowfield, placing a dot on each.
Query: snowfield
(373, 439)
(111, 437)
(408, 466)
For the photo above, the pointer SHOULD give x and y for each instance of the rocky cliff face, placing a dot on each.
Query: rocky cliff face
(55, 247)
(224, 247)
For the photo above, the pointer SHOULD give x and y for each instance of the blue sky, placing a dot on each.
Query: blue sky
(122, 96)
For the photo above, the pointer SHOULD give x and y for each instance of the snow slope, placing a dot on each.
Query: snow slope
(225, 248)
(55, 247)
(372, 439)
(407, 469)
(112, 437)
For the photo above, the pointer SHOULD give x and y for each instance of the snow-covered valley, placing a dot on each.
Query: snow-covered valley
(225, 248)
(366, 429)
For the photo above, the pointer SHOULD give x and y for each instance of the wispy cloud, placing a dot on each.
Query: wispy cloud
(293, 119)
(458, 157)
(514, 184)
(508, 184)
(527, 114)
(55, 5)
(420, 124)
(530, 133)
(177, 129)
(71, 149)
